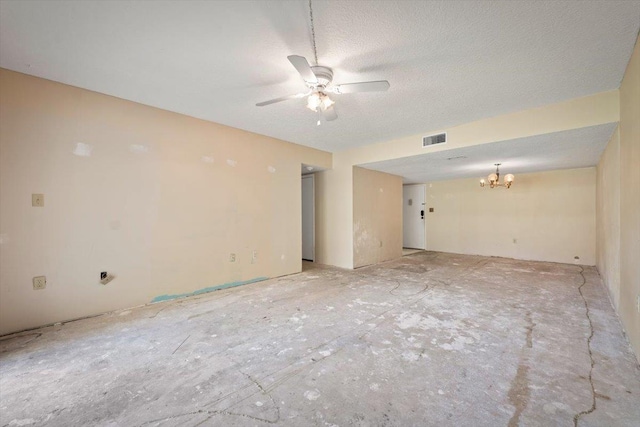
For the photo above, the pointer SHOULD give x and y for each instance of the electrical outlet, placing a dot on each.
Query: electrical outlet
(254, 257)
(37, 200)
(232, 257)
(39, 282)
(106, 277)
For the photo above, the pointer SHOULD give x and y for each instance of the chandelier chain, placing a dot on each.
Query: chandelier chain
(313, 33)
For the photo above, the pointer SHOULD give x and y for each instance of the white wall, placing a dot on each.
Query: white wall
(156, 198)
(550, 214)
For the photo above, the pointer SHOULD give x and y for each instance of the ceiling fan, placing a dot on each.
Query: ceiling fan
(319, 83)
(318, 80)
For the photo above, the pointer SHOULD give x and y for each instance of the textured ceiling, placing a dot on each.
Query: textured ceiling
(560, 150)
(448, 62)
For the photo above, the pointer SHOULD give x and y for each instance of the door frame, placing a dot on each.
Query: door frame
(424, 219)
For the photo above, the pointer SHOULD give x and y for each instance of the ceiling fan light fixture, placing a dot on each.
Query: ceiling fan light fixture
(319, 81)
(327, 102)
(314, 101)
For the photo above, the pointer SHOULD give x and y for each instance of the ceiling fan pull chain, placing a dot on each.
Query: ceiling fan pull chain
(313, 33)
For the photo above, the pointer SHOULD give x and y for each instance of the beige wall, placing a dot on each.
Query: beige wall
(377, 217)
(608, 206)
(619, 220)
(161, 202)
(630, 199)
(550, 214)
(334, 203)
(336, 243)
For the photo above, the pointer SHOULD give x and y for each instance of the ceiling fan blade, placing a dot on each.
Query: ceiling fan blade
(329, 114)
(378, 86)
(284, 98)
(302, 65)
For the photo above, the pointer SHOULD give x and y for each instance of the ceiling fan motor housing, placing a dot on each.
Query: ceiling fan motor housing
(323, 74)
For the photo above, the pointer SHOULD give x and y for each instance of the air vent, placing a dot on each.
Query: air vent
(434, 139)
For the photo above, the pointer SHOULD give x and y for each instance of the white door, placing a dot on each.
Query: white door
(308, 218)
(413, 210)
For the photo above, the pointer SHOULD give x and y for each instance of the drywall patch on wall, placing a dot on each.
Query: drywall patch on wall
(82, 150)
(207, 290)
(138, 148)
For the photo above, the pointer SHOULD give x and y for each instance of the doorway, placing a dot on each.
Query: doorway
(413, 210)
(308, 218)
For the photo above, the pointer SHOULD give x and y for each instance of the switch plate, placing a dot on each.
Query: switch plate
(106, 277)
(232, 257)
(39, 282)
(37, 200)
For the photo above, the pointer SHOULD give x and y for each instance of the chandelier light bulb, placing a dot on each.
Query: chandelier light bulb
(493, 178)
(508, 180)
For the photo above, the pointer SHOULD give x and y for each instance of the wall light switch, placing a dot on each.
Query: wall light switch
(37, 200)
(232, 257)
(39, 282)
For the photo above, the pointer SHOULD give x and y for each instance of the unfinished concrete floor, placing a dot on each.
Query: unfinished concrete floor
(429, 339)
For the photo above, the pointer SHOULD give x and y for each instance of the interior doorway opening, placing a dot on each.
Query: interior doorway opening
(308, 218)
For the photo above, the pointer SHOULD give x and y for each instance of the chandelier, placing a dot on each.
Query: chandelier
(494, 179)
